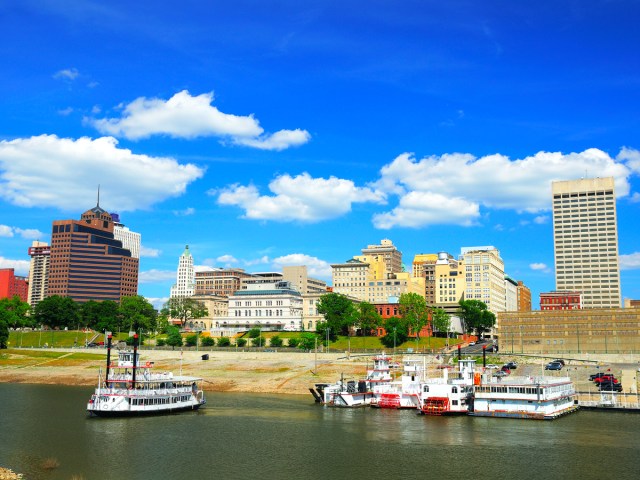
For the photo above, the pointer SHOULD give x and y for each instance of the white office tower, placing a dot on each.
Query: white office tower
(585, 240)
(40, 253)
(130, 240)
(185, 285)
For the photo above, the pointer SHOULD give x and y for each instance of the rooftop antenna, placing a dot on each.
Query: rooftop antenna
(98, 204)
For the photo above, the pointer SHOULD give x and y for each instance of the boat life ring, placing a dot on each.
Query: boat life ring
(148, 364)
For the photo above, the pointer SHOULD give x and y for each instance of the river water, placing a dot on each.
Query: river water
(249, 436)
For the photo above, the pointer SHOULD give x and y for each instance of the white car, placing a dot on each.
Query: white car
(491, 366)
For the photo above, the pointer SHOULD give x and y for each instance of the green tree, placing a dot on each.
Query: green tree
(224, 342)
(192, 340)
(208, 341)
(441, 320)
(185, 309)
(397, 332)
(415, 312)
(101, 316)
(241, 342)
(15, 312)
(254, 333)
(4, 333)
(275, 341)
(367, 318)
(257, 341)
(57, 312)
(339, 314)
(137, 314)
(174, 339)
(306, 342)
(476, 316)
(293, 342)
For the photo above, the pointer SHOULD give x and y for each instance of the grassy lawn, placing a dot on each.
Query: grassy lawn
(55, 338)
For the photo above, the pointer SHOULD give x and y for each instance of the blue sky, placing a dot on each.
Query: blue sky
(266, 134)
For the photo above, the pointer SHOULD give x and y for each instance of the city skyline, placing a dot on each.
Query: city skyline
(264, 136)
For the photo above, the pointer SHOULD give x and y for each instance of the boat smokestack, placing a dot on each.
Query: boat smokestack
(135, 355)
(484, 356)
(106, 378)
(459, 352)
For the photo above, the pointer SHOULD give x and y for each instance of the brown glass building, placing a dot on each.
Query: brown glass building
(87, 262)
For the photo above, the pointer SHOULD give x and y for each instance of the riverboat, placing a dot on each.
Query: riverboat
(130, 388)
(354, 393)
(402, 394)
(540, 398)
(450, 394)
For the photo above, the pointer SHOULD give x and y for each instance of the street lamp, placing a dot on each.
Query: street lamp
(394, 344)
(328, 330)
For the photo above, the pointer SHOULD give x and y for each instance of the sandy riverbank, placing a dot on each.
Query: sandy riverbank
(225, 371)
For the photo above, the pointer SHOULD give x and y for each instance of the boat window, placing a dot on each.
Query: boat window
(426, 389)
(454, 389)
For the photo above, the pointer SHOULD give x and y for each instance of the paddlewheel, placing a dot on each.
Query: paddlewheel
(435, 406)
(389, 400)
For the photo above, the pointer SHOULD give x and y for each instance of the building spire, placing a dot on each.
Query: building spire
(98, 204)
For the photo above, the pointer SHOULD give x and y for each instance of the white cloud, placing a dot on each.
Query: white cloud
(203, 268)
(539, 266)
(301, 198)
(61, 172)
(227, 260)
(631, 157)
(187, 116)
(541, 219)
(635, 198)
(66, 74)
(184, 213)
(156, 276)
(257, 261)
(417, 209)
(315, 267)
(630, 262)
(149, 252)
(28, 233)
(21, 267)
(66, 111)
(493, 181)
(157, 302)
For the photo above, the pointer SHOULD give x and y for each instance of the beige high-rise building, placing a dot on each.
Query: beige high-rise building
(424, 266)
(449, 283)
(382, 259)
(40, 253)
(585, 240)
(389, 289)
(351, 278)
(484, 277)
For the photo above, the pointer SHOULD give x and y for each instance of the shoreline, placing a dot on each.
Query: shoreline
(232, 371)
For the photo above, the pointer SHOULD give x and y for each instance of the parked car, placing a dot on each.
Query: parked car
(593, 376)
(610, 387)
(491, 366)
(472, 343)
(606, 378)
(511, 365)
(505, 369)
(559, 360)
(553, 366)
(500, 373)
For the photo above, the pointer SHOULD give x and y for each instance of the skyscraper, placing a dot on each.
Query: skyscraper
(87, 262)
(130, 240)
(40, 253)
(585, 240)
(185, 285)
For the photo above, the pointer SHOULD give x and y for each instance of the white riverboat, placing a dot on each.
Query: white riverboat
(130, 388)
(403, 393)
(542, 398)
(354, 393)
(450, 394)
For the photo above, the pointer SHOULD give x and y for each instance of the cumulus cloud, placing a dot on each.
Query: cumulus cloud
(156, 276)
(417, 209)
(300, 198)
(21, 267)
(184, 213)
(203, 268)
(66, 74)
(149, 252)
(539, 266)
(48, 171)
(157, 302)
(187, 116)
(315, 267)
(630, 261)
(541, 219)
(491, 182)
(28, 233)
(227, 260)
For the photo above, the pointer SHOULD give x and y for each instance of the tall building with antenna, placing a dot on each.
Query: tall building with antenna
(185, 285)
(87, 261)
(585, 240)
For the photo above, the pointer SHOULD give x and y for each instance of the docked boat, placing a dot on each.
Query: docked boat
(130, 388)
(541, 398)
(352, 393)
(403, 393)
(450, 394)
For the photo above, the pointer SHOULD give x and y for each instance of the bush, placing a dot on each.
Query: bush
(141, 339)
(224, 342)
(258, 342)
(275, 341)
(161, 342)
(307, 341)
(174, 339)
(254, 333)
(241, 342)
(208, 342)
(192, 340)
(293, 342)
